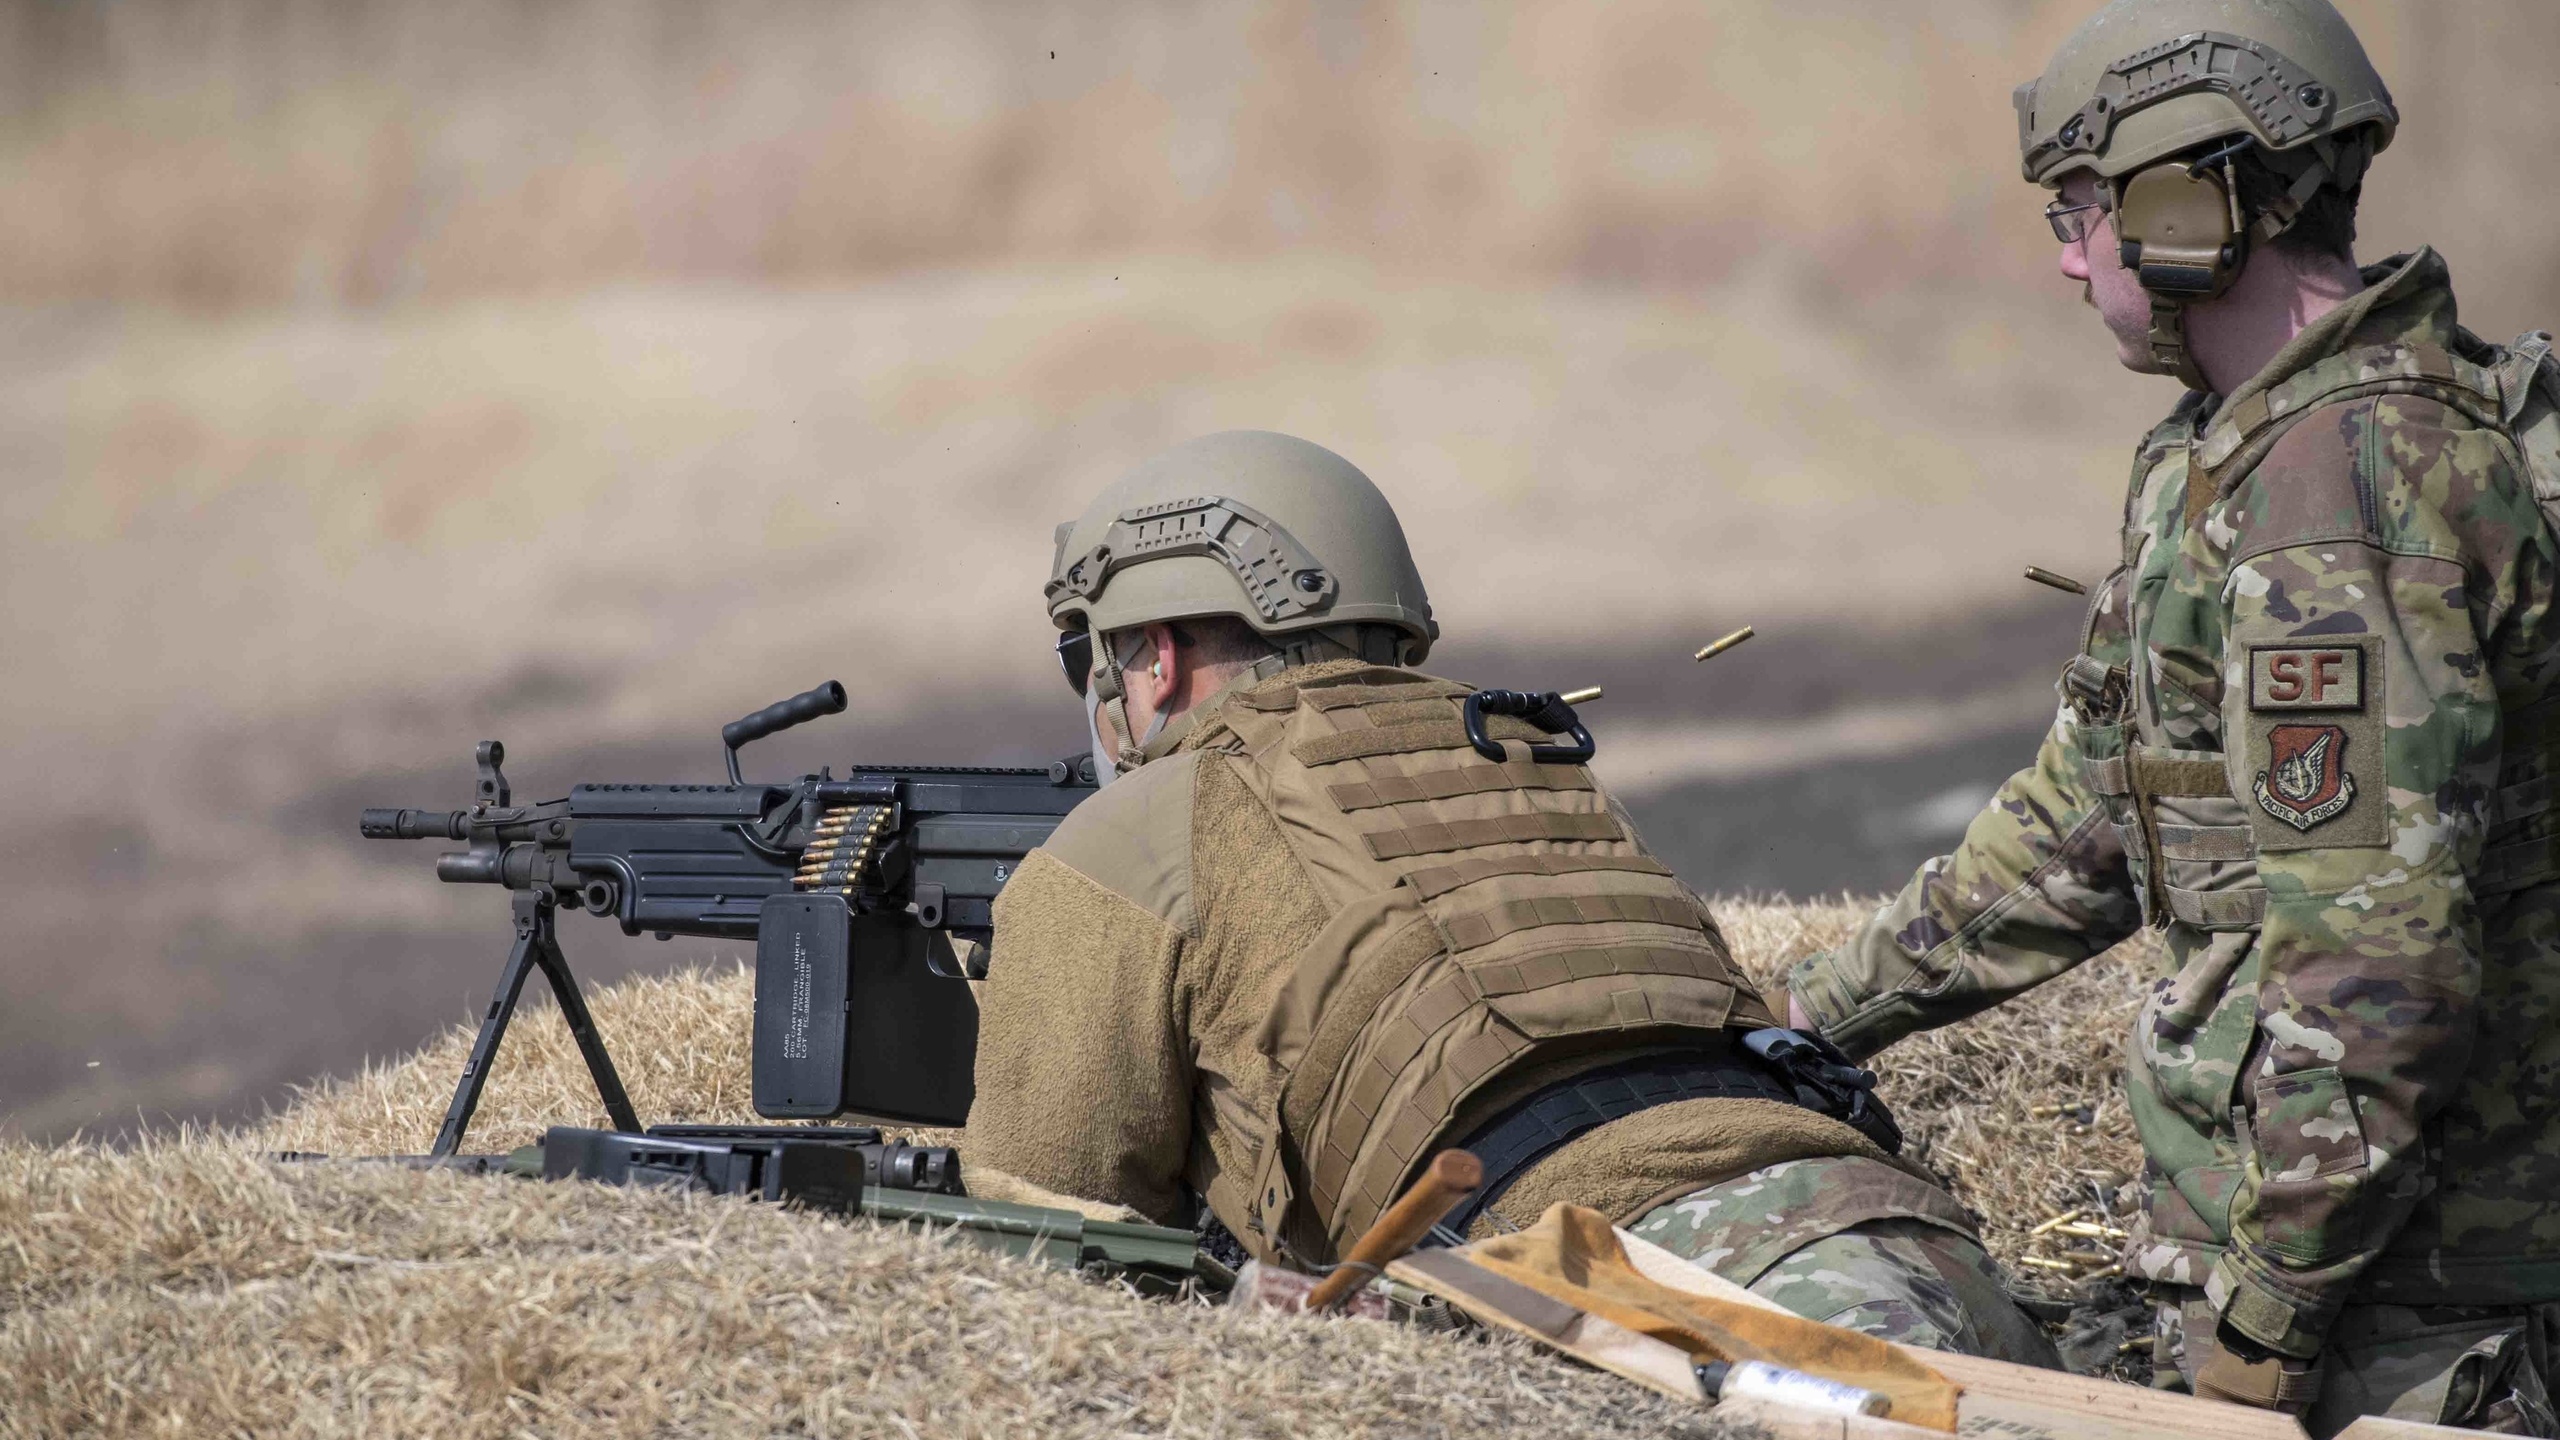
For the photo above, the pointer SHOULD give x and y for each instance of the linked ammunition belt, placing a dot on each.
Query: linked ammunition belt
(840, 846)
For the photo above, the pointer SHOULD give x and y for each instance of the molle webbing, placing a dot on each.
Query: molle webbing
(1329, 698)
(1432, 839)
(2216, 909)
(1405, 952)
(1402, 1019)
(2179, 778)
(2207, 842)
(1463, 780)
(2145, 779)
(1479, 928)
(1281, 699)
(1348, 1013)
(1519, 977)
(1432, 884)
(1407, 739)
(1428, 1111)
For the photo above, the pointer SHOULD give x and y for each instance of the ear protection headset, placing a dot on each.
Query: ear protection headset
(2182, 235)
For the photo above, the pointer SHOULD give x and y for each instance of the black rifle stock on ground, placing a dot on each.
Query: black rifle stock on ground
(862, 894)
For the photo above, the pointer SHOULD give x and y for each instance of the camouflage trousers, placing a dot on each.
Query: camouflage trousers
(2478, 1367)
(1857, 1244)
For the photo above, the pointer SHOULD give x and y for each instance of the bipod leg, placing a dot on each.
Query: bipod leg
(573, 1008)
(532, 922)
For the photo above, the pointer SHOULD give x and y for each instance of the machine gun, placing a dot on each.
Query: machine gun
(855, 891)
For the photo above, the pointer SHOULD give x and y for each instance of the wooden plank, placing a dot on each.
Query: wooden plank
(1589, 1338)
(2005, 1400)
(1790, 1423)
(2375, 1427)
(2022, 1401)
(2001, 1401)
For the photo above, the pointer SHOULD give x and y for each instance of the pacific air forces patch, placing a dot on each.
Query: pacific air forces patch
(2306, 779)
(2310, 731)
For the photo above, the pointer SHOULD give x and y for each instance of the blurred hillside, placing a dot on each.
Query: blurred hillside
(376, 378)
(232, 153)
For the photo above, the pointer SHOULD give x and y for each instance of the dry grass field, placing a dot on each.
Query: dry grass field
(187, 1286)
(379, 377)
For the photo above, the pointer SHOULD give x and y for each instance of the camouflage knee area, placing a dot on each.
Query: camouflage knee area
(1880, 1285)
(1912, 1282)
(1792, 1234)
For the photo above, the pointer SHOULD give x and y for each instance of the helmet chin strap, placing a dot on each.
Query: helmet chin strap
(2169, 349)
(1111, 688)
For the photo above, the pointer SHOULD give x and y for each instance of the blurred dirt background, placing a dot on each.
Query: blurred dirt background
(376, 378)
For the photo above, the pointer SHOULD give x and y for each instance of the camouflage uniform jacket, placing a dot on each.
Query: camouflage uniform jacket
(2307, 737)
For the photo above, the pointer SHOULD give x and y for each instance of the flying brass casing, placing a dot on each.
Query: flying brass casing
(1728, 642)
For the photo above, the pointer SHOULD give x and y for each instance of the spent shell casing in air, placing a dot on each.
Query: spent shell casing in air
(1727, 643)
(1583, 696)
(2063, 583)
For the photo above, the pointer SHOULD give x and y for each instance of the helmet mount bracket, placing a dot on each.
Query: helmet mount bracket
(1281, 579)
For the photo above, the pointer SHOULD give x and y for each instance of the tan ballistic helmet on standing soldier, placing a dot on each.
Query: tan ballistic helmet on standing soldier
(2154, 98)
(1284, 535)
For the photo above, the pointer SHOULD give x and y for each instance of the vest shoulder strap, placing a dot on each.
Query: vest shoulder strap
(2243, 433)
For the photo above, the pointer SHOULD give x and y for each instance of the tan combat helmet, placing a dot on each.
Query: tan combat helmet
(1282, 534)
(2150, 96)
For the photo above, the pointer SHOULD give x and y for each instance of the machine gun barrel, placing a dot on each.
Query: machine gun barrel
(415, 824)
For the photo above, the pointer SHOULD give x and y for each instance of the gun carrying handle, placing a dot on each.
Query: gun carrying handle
(827, 699)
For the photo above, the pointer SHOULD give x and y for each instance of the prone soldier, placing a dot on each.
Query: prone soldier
(2309, 735)
(1314, 932)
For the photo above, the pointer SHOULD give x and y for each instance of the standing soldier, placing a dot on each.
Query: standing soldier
(2309, 736)
(1334, 916)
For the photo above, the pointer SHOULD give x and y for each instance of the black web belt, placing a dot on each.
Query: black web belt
(1513, 1142)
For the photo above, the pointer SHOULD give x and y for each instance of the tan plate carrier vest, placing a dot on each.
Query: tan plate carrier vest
(2175, 809)
(1484, 917)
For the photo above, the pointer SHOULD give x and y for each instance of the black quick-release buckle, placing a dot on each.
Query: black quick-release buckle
(1544, 709)
(1826, 1082)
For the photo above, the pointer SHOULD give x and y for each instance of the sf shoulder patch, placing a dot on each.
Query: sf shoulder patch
(2293, 677)
(2310, 732)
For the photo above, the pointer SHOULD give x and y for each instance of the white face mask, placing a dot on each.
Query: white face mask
(1104, 772)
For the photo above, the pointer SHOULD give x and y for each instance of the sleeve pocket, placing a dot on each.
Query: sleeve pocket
(2311, 1167)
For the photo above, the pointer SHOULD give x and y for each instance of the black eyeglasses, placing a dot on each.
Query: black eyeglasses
(2071, 222)
(1075, 656)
